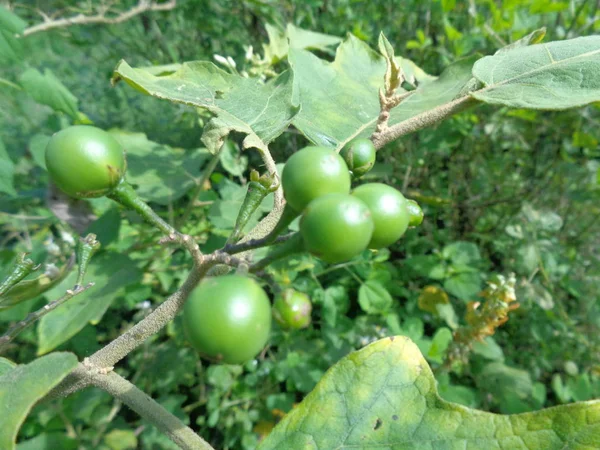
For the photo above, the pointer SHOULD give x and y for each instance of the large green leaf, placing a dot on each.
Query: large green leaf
(385, 397)
(23, 386)
(280, 41)
(48, 90)
(111, 273)
(160, 173)
(262, 111)
(6, 365)
(556, 75)
(340, 99)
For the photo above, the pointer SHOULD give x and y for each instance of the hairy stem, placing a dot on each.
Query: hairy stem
(33, 317)
(254, 244)
(291, 246)
(144, 405)
(125, 195)
(118, 349)
(422, 120)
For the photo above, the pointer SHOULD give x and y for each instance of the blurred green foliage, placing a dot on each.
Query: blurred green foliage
(502, 190)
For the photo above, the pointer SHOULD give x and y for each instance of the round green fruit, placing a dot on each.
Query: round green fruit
(85, 161)
(292, 309)
(359, 155)
(311, 173)
(389, 211)
(336, 227)
(228, 319)
(415, 212)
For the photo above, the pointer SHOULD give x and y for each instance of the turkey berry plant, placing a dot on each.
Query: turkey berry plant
(384, 394)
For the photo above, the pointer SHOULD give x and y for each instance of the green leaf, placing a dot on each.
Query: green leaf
(111, 273)
(465, 285)
(160, 173)
(10, 45)
(556, 75)
(10, 48)
(300, 38)
(223, 212)
(37, 148)
(330, 116)
(499, 380)
(384, 396)
(278, 47)
(23, 386)
(232, 159)
(49, 441)
(374, 298)
(7, 170)
(106, 227)
(11, 22)
(6, 365)
(489, 349)
(439, 344)
(246, 105)
(121, 440)
(530, 39)
(48, 90)
(462, 253)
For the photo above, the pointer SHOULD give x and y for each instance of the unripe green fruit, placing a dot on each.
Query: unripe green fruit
(389, 211)
(415, 212)
(228, 318)
(336, 227)
(359, 155)
(292, 309)
(311, 173)
(85, 161)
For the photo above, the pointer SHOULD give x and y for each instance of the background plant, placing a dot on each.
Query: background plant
(504, 190)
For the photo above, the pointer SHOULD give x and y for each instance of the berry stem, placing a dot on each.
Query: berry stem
(125, 195)
(293, 245)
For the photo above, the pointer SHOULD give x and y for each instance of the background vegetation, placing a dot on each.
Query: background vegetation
(504, 191)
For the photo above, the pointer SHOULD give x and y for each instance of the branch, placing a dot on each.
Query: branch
(118, 349)
(36, 315)
(252, 244)
(81, 19)
(143, 404)
(422, 120)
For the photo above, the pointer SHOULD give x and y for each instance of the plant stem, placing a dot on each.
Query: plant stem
(293, 245)
(144, 405)
(254, 244)
(36, 315)
(422, 120)
(118, 349)
(287, 217)
(208, 170)
(126, 196)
